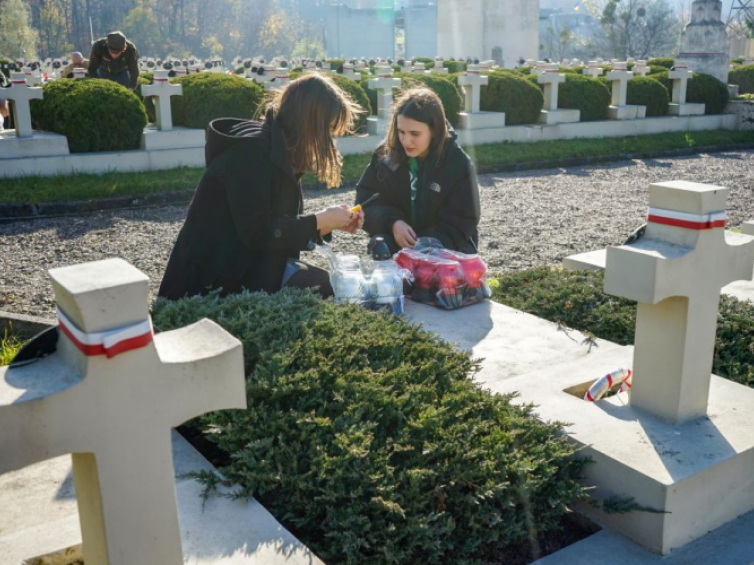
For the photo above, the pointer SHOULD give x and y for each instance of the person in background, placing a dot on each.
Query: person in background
(3, 103)
(246, 225)
(115, 58)
(427, 184)
(77, 62)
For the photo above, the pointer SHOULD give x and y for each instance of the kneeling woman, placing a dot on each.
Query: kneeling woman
(245, 226)
(426, 183)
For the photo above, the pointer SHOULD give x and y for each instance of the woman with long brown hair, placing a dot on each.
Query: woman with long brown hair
(426, 183)
(246, 224)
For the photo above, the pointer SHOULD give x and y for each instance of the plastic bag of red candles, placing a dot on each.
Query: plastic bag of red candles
(446, 279)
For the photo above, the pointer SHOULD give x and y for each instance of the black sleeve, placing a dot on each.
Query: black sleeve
(95, 60)
(247, 180)
(460, 214)
(379, 216)
(133, 69)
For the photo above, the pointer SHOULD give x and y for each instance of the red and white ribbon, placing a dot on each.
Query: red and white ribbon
(111, 342)
(685, 220)
(602, 385)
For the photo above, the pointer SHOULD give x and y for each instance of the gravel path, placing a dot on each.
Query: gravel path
(528, 219)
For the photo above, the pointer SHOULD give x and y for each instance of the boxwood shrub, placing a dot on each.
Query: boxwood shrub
(443, 87)
(366, 437)
(371, 94)
(701, 89)
(428, 63)
(666, 62)
(743, 76)
(93, 114)
(454, 66)
(207, 96)
(589, 95)
(576, 300)
(511, 93)
(359, 96)
(647, 92)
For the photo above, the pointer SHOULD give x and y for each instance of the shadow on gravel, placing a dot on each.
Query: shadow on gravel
(657, 164)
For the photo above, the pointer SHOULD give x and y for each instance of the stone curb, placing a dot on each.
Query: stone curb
(21, 325)
(10, 212)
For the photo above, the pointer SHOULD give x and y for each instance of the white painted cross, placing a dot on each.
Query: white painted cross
(109, 396)
(675, 273)
(162, 90)
(680, 76)
(79, 72)
(349, 71)
(384, 85)
(551, 79)
(281, 79)
(619, 76)
(593, 69)
(640, 69)
(21, 95)
(419, 68)
(472, 83)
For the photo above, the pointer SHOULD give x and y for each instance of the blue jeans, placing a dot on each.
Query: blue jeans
(122, 78)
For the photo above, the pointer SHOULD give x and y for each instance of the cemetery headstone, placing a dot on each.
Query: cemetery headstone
(704, 43)
(550, 114)
(162, 90)
(619, 110)
(680, 76)
(472, 117)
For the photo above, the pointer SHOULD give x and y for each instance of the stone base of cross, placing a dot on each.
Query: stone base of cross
(618, 109)
(109, 395)
(550, 114)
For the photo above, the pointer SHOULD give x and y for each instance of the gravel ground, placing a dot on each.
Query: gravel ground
(528, 219)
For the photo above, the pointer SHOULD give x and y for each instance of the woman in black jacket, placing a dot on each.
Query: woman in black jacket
(426, 183)
(246, 224)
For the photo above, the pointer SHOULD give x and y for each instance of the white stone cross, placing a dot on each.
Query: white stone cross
(281, 79)
(472, 83)
(675, 273)
(680, 76)
(109, 396)
(419, 68)
(640, 69)
(349, 71)
(384, 85)
(22, 96)
(619, 76)
(162, 90)
(79, 72)
(551, 79)
(593, 69)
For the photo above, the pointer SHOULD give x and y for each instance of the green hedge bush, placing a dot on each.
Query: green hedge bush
(367, 438)
(576, 300)
(359, 96)
(207, 96)
(454, 66)
(93, 114)
(448, 92)
(511, 93)
(735, 61)
(701, 89)
(666, 62)
(743, 76)
(335, 64)
(428, 63)
(590, 96)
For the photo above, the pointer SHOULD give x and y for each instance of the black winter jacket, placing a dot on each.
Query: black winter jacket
(447, 205)
(246, 218)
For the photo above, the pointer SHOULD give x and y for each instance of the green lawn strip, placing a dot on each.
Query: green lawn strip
(575, 299)
(88, 187)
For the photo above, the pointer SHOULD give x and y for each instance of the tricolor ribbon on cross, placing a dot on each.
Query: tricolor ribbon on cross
(685, 220)
(112, 342)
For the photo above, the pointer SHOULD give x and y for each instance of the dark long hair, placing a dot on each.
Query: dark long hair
(311, 110)
(423, 105)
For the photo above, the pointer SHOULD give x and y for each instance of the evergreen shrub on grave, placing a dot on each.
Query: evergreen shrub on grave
(371, 94)
(428, 63)
(454, 66)
(359, 95)
(737, 61)
(701, 89)
(336, 64)
(743, 76)
(145, 79)
(449, 93)
(666, 62)
(576, 300)
(648, 92)
(93, 114)
(583, 93)
(367, 438)
(513, 94)
(207, 96)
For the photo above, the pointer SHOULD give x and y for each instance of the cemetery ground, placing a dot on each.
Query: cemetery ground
(529, 220)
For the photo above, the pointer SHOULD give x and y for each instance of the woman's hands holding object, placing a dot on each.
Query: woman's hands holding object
(404, 234)
(339, 218)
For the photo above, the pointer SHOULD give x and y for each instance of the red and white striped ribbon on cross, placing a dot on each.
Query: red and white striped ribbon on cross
(112, 342)
(685, 220)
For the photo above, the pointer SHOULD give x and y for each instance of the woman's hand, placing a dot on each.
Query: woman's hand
(339, 218)
(404, 234)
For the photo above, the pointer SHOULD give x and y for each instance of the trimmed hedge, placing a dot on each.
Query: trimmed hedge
(428, 63)
(576, 300)
(743, 76)
(701, 89)
(208, 96)
(366, 437)
(93, 114)
(586, 94)
(448, 92)
(455, 66)
(359, 96)
(666, 62)
(511, 93)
